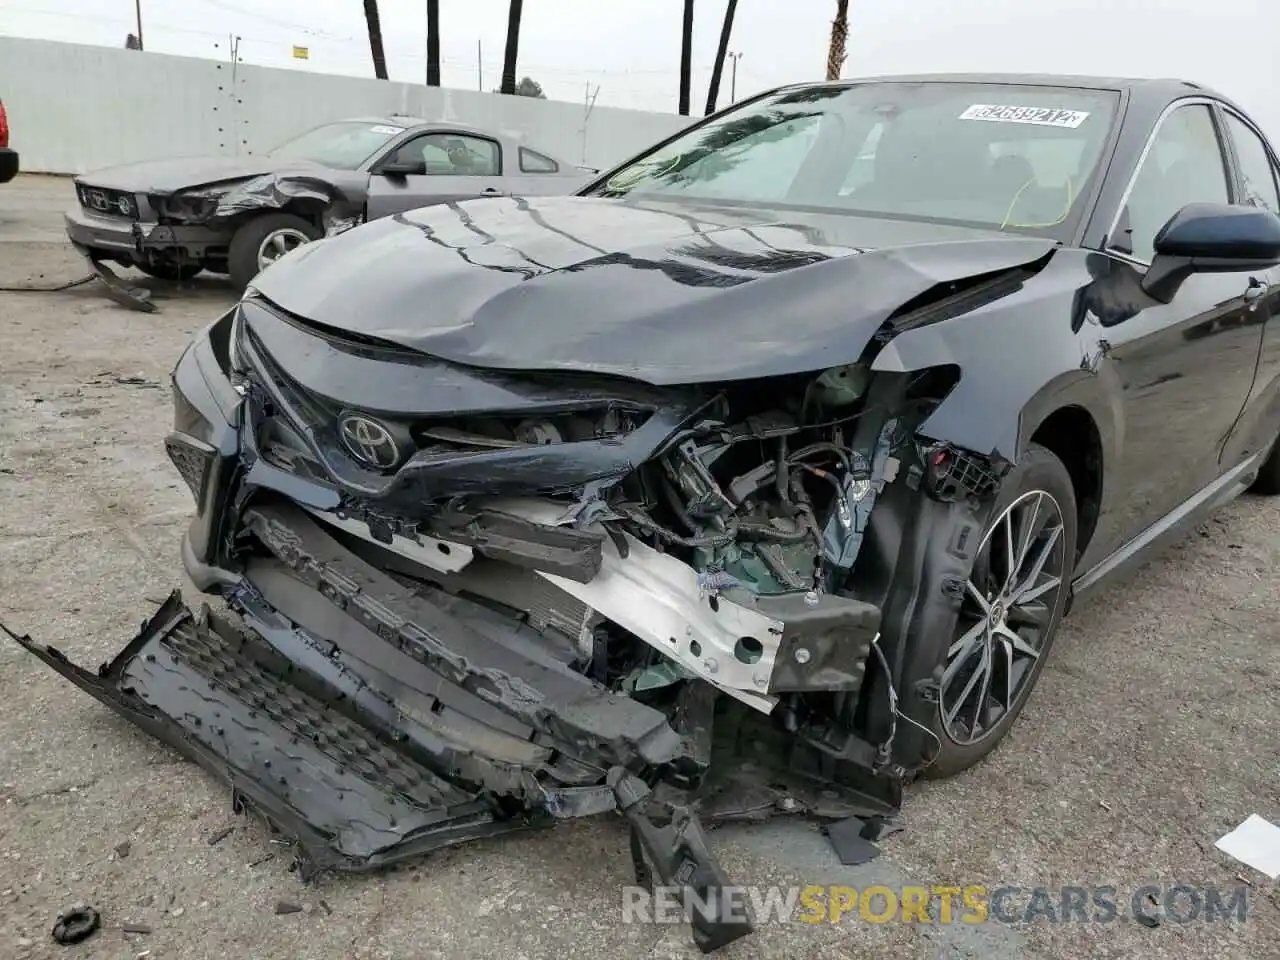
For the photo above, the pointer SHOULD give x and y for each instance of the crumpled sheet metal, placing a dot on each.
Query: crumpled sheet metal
(272, 191)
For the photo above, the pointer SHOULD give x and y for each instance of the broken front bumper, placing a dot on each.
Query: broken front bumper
(131, 241)
(375, 718)
(381, 728)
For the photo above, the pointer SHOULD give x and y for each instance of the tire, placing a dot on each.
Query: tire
(1267, 482)
(172, 272)
(250, 240)
(1040, 474)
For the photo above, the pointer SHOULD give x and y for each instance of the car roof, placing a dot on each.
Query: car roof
(1147, 88)
(408, 122)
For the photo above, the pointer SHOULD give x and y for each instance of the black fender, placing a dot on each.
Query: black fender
(1022, 358)
(1056, 336)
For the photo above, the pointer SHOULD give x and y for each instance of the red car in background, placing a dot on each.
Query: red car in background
(8, 158)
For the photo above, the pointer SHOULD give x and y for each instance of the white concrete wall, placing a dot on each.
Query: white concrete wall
(74, 108)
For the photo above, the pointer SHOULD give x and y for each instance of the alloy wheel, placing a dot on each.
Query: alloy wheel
(1009, 603)
(277, 243)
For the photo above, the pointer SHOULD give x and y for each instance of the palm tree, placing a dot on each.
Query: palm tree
(726, 28)
(839, 31)
(375, 39)
(433, 43)
(514, 9)
(686, 57)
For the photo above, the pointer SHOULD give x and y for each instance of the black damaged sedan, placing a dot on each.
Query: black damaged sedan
(759, 475)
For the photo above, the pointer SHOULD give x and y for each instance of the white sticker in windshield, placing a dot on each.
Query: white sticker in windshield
(388, 131)
(1041, 116)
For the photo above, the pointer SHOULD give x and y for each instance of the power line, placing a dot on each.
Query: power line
(544, 70)
(254, 15)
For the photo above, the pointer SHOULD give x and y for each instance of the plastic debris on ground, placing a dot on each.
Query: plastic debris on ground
(1255, 843)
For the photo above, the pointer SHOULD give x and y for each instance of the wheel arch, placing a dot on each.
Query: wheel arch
(1071, 434)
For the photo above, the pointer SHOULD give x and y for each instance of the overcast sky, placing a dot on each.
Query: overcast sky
(631, 50)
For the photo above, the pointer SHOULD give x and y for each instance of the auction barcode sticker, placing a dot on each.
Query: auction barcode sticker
(1041, 116)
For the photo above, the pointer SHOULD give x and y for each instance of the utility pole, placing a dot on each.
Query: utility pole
(733, 77)
(479, 65)
(137, 13)
(588, 104)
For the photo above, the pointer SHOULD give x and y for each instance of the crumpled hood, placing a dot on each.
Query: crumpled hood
(167, 176)
(662, 293)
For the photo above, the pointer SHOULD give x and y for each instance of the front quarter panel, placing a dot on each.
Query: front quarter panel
(1021, 358)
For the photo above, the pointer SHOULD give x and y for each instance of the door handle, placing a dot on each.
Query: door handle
(1256, 289)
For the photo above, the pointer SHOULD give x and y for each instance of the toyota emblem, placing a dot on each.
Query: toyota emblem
(368, 441)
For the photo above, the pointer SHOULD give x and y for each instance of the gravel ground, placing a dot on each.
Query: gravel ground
(1153, 730)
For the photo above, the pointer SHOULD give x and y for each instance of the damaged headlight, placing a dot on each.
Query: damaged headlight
(235, 350)
(191, 205)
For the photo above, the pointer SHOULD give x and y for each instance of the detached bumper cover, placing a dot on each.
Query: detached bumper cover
(351, 800)
(333, 753)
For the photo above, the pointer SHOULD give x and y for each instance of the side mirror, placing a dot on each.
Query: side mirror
(1211, 238)
(403, 168)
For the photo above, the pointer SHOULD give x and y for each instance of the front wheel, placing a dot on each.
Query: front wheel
(1012, 604)
(264, 240)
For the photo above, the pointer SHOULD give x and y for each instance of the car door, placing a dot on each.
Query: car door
(1183, 369)
(441, 166)
(1259, 183)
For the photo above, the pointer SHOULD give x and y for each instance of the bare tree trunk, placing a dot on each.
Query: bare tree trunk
(433, 43)
(839, 33)
(726, 28)
(514, 11)
(375, 39)
(686, 57)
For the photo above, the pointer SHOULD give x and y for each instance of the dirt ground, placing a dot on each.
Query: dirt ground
(1153, 730)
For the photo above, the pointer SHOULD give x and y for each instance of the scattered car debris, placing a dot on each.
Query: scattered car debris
(76, 925)
(326, 908)
(123, 849)
(876, 829)
(1255, 843)
(120, 290)
(284, 906)
(261, 860)
(849, 843)
(221, 835)
(136, 928)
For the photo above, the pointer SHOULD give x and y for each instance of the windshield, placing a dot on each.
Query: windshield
(343, 146)
(989, 155)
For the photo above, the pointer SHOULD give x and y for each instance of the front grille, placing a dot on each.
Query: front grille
(192, 460)
(106, 202)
